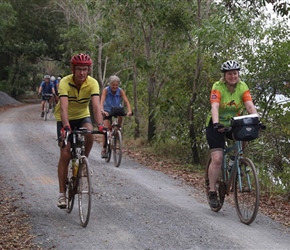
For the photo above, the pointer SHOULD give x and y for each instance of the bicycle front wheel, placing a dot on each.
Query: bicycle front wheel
(247, 191)
(117, 150)
(220, 187)
(84, 191)
(51, 112)
(70, 194)
(46, 109)
(109, 153)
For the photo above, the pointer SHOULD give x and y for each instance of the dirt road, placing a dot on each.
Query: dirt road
(133, 207)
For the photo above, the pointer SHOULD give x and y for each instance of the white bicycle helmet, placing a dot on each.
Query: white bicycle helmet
(46, 77)
(52, 78)
(230, 65)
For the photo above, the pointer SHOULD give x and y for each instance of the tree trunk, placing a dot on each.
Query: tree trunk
(192, 133)
(151, 108)
(151, 84)
(136, 111)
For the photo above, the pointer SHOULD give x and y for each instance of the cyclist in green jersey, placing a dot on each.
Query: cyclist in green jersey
(228, 97)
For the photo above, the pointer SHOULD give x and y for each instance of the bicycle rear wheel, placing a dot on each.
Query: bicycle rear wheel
(46, 109)
(220, 187)
(117, 149)
(247, 196)
(84, 191)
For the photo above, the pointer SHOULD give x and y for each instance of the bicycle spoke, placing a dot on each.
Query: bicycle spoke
(117, 150)
(84, 192)
(247, 192)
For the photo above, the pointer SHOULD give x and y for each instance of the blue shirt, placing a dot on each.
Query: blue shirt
(46, 88)
(112, 100)
(55, 83)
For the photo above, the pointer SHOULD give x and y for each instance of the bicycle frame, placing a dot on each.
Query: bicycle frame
(235, 171)
(79, 182)
(241, 180)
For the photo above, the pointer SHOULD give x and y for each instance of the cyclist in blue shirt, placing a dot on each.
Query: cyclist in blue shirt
(46, 87)
(112, 96)
(55, 85)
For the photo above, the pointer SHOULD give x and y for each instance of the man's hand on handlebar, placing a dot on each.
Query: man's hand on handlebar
(65, 131)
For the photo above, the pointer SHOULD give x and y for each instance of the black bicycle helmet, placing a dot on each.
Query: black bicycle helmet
(230, 65)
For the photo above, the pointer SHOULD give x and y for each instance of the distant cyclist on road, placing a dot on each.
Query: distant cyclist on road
(46, 87)
(112, 96)
(55, 84)
(72, 111)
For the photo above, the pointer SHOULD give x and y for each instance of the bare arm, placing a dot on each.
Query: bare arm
(40, 90)
(64, 111)
(103, 98)
(126, 101)
(97, 109)
(215, 112)
(250, 107)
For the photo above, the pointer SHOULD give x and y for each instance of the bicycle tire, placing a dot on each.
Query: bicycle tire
(70, 194)
(71, 189)
(247, 200)
(220, 187)
(46, 107)
(109, 153)
(117, 149)
(84, 191)
(51, 113)
(108, 148)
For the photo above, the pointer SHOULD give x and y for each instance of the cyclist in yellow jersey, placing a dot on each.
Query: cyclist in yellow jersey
(72, 111)
(228, 97)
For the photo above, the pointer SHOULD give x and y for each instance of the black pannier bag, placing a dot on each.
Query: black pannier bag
(245, 128)
(117, 111)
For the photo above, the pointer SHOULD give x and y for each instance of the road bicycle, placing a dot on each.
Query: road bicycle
(51, 113)
(241, 178)
(47, 98)
(79, 174)
(113, 138)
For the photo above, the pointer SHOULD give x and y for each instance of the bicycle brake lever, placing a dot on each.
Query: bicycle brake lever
(65, 140)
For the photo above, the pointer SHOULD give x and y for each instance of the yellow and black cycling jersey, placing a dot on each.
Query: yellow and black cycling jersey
(78, 106)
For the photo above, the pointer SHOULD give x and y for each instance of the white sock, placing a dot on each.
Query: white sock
(61, 195)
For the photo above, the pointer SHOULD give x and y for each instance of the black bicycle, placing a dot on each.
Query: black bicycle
(241, 177)
(47, 98)
(79, 174)
(113, 138)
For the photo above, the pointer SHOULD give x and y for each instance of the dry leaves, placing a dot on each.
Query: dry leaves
(14, 228)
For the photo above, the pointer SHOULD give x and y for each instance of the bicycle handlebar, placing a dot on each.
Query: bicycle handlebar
(124, 114)
(230, 128)
(82, 131)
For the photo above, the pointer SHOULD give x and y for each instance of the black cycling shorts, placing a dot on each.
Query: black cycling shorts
(74, 124)
(216, 139)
